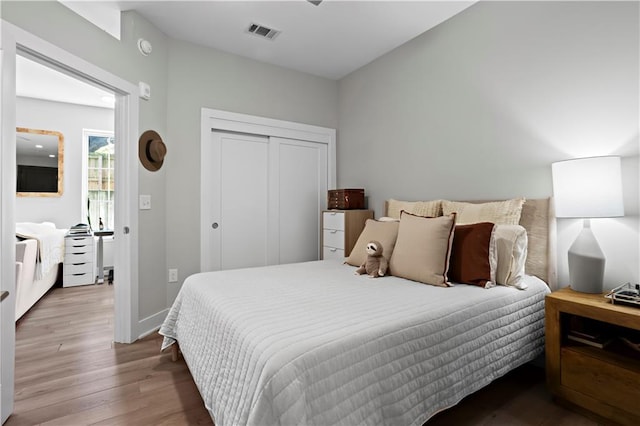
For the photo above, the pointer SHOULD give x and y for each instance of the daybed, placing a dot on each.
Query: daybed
(39, 250)
(313, 343)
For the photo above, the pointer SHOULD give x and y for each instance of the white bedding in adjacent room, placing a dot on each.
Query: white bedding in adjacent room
(312, 343)
(50, 244)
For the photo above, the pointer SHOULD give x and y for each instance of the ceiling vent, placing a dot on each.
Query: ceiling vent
(262, 31)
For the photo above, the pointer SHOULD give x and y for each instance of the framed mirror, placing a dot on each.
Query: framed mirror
(40, 162)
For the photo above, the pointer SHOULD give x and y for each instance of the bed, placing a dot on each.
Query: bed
(39, 253)
(313, 343)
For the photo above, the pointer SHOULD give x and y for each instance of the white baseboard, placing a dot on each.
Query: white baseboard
(151, 323)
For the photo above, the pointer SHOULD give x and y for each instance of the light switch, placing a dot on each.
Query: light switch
(145, 90)
(145, 202)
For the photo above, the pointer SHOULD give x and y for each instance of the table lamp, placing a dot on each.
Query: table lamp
(587, 188)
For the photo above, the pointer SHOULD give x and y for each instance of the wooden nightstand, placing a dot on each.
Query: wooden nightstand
(605, 381)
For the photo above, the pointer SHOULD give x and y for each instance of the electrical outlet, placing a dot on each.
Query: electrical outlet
(173, 275)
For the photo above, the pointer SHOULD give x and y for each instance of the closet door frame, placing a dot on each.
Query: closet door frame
(217, 120)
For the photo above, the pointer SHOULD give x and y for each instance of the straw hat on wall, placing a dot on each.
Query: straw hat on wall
(151, 150)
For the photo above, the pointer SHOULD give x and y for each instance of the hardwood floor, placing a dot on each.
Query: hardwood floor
(68, 372)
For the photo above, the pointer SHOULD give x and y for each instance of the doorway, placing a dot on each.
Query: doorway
(16, 41)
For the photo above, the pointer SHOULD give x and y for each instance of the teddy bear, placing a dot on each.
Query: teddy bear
(376, 264)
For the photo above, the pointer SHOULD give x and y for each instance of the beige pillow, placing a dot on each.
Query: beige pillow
(385, 232)
(511, 248)
(419, 208)
(423, 248)
(498, 212)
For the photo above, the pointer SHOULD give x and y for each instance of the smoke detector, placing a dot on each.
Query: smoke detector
(262, 31)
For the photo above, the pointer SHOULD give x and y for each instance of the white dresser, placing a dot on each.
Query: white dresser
(340, 231)
(79, 261)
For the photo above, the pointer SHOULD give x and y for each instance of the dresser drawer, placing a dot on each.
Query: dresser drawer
(79, 257)
(76, 245)
(77, 268)
(333, 220)
(79, 279)
(333, 238)
(332, 253)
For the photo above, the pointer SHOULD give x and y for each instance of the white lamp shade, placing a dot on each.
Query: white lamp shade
(588, 187)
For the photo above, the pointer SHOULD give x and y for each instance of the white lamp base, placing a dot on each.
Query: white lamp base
(586, 262)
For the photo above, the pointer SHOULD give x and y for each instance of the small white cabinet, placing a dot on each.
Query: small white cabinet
(79, 261)
(340, 231)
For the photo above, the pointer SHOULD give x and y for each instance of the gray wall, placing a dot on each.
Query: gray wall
(200, 77)
(480, 106)
(68, 119)
(62, 27)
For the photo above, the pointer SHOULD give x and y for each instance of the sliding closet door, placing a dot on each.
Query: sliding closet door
(239, 202)
(261, 200)
(302, 187)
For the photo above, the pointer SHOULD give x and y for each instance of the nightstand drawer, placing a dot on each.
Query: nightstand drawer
(332, 253)
(333, 238)
(79, 257)
(592, 376)
(333, 220)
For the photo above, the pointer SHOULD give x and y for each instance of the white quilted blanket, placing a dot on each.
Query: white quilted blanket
(50, 244)
(314, 344)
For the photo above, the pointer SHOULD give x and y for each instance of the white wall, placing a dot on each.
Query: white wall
(480, 106)
(68, 119)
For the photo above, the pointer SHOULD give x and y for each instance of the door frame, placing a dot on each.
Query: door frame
(14, 40)
(213, 119)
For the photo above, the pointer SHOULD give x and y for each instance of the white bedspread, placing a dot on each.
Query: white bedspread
(314, 344)
(50, 244)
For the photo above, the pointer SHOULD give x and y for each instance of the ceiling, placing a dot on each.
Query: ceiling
(330, 40)
(34, 80)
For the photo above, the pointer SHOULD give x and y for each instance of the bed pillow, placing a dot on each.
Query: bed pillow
(511, 250)
(385, 232)
(423, 248)
(473, 258)
(419, 208)
(499, 212)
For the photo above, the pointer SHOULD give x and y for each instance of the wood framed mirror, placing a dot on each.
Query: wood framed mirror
(40, 162)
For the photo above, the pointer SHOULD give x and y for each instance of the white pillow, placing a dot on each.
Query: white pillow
(511, 247)
(499, 212)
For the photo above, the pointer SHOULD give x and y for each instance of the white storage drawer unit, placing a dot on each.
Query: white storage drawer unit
(79, 261)
(340, 231)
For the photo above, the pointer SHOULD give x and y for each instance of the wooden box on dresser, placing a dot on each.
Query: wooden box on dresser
(340, 231)
(79, 261)
(604, 381)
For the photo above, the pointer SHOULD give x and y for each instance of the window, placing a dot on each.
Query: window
(99, 181)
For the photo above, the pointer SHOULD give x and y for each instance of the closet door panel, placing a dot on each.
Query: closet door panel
(240, 207)
(302, 186)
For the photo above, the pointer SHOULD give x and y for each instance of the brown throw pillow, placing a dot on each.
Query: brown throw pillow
(385, 232)
(470, 261)
(423, 248)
